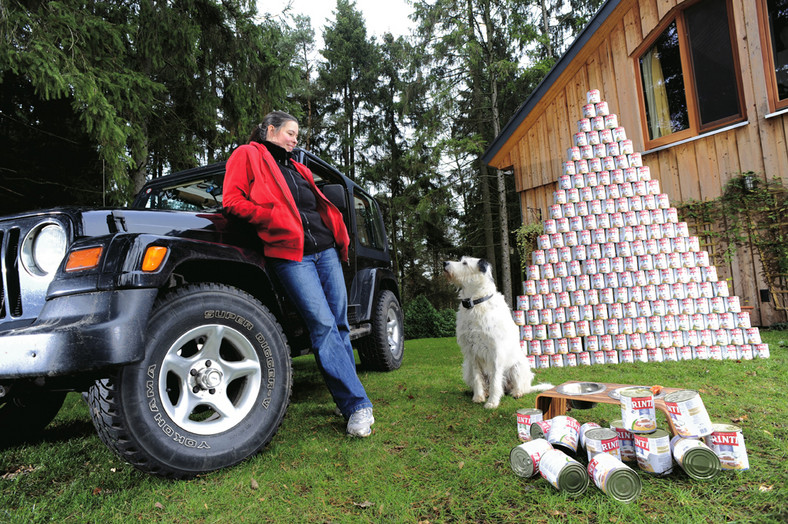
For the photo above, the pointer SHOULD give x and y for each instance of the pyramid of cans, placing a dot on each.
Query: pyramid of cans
(615, 276)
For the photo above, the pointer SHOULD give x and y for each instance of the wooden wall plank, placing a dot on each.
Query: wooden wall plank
(664, 6)
(633, 30)
(709, 181)
(649, 16)
(628, 109)
(687, 167)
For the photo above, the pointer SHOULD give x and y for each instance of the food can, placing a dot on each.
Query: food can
(593, 135)
(602, 108)
(519, 317)
(653, 452)
(564, 433)
(584, 358)
(563, 472)
(727, 442)
(638, 413)
(526, 417)
(626, 441)
(601, 440)
(535, 347)
(593, 96)
(581, 442)
(524, 459)
(540, 429)
(615, 478)
(598, 123)
(526, 333)
(689, 416)
(695, 458)
(589, 110)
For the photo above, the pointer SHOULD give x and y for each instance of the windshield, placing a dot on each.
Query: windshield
(203, 194)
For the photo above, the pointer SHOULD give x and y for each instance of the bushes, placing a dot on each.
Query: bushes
(422, 320)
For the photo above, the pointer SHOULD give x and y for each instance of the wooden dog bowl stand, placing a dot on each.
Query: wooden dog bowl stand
(553, 403)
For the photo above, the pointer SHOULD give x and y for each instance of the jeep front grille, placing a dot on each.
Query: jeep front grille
(10, 290)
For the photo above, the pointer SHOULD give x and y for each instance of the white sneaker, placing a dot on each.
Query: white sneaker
(358, 425)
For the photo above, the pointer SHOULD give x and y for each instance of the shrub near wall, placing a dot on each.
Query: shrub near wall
(422, 320)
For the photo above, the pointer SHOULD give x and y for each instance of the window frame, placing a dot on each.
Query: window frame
(767, 48)
(695, 127)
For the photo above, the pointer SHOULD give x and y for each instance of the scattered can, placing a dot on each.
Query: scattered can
(563, 472)
(727, 442)
(637, 410)
(524, 459)
(688, 413)
(695, 458)
(602, 440)
(564, 433)
(653, 452)
(540, 429)
(526, 417)
(583, 429)
(626, 441)
(615, 478)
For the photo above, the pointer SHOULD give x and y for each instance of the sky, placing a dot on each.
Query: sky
(380, 15)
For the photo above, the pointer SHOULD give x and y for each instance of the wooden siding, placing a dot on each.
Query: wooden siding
(695, 170)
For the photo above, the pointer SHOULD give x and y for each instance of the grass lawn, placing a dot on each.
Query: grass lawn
(434, 456)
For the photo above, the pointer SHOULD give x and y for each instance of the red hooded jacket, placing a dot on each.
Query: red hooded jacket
(255, 190)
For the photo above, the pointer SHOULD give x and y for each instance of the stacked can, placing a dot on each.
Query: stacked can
(616, 276)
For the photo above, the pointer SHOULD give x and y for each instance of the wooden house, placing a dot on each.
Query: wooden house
(701, 88)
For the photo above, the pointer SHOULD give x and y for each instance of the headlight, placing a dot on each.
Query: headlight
(43, 249)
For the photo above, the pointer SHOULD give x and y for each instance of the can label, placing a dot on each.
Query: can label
(524, 459)
(653, 453)
(637, 410)
(688, 413)
(626, 441)
(727, 441)
(602, 440)
(552, 463)
(526, 417)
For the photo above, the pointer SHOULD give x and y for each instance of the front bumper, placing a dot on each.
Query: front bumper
(79, 333)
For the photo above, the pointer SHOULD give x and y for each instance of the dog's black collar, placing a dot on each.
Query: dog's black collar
(468, 303)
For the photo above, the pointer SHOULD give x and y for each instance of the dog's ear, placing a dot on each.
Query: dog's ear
(483, 266)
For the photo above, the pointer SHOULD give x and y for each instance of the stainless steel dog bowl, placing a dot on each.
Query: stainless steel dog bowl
(581, 388)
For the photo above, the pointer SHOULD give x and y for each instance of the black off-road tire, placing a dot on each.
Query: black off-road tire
(383, 349)
(26, 411)
(211, 391)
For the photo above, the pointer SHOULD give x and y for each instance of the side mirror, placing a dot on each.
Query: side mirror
(337, 195)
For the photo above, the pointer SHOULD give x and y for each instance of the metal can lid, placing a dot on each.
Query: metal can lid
(681, 396)
(521, 462)
(636, 392)
(701, 463)
(536, 431)
(657, 433)
(573, 478)
(600, 434)
(529, 411)
(618, 423)
(623, 484)
(728, 428)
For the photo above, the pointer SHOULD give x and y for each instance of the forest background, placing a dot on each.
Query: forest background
(97, 97)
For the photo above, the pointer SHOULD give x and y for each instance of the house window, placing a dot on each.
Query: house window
(689, 75)
(777, 15)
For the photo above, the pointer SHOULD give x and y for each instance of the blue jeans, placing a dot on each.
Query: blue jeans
(316, 287)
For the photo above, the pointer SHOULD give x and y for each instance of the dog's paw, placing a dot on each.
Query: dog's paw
(479, 398)
(491, 405)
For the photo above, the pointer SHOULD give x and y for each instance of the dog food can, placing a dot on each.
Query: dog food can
(637, 410)
(606, 135)
(526, 417)
(593, 96)
(581, 442)
(519, 317)
(524, 459)
(535, 347)
(527, 333)
(540, 429)
(564, 433)
(653, 452)
(619, 134)
(563, 472)
(602, 440)
(761, 350)
(615, 478)
(626, 441)
(695, 458)
(689, 416)
(727, 441)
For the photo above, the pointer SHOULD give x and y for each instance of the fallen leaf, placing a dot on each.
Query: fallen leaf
(96, 491)
(253, 484)
(764, 488)
(739, 419)
(461, 465)
(159, 505)
(364, 505)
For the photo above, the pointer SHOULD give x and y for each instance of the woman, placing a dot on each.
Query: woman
(304, 238)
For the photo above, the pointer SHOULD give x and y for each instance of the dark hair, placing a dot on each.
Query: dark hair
(274, 118)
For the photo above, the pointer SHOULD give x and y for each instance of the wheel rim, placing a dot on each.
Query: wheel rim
(210, 379)
(394, 332)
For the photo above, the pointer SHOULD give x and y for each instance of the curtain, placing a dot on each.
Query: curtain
(656, 94)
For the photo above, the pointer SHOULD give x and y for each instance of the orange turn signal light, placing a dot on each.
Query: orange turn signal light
(84, 259)
(154, 256)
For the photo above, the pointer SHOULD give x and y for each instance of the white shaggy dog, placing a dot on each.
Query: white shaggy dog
(493, 362)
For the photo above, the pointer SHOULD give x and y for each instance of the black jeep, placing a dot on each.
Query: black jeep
(164, 316)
